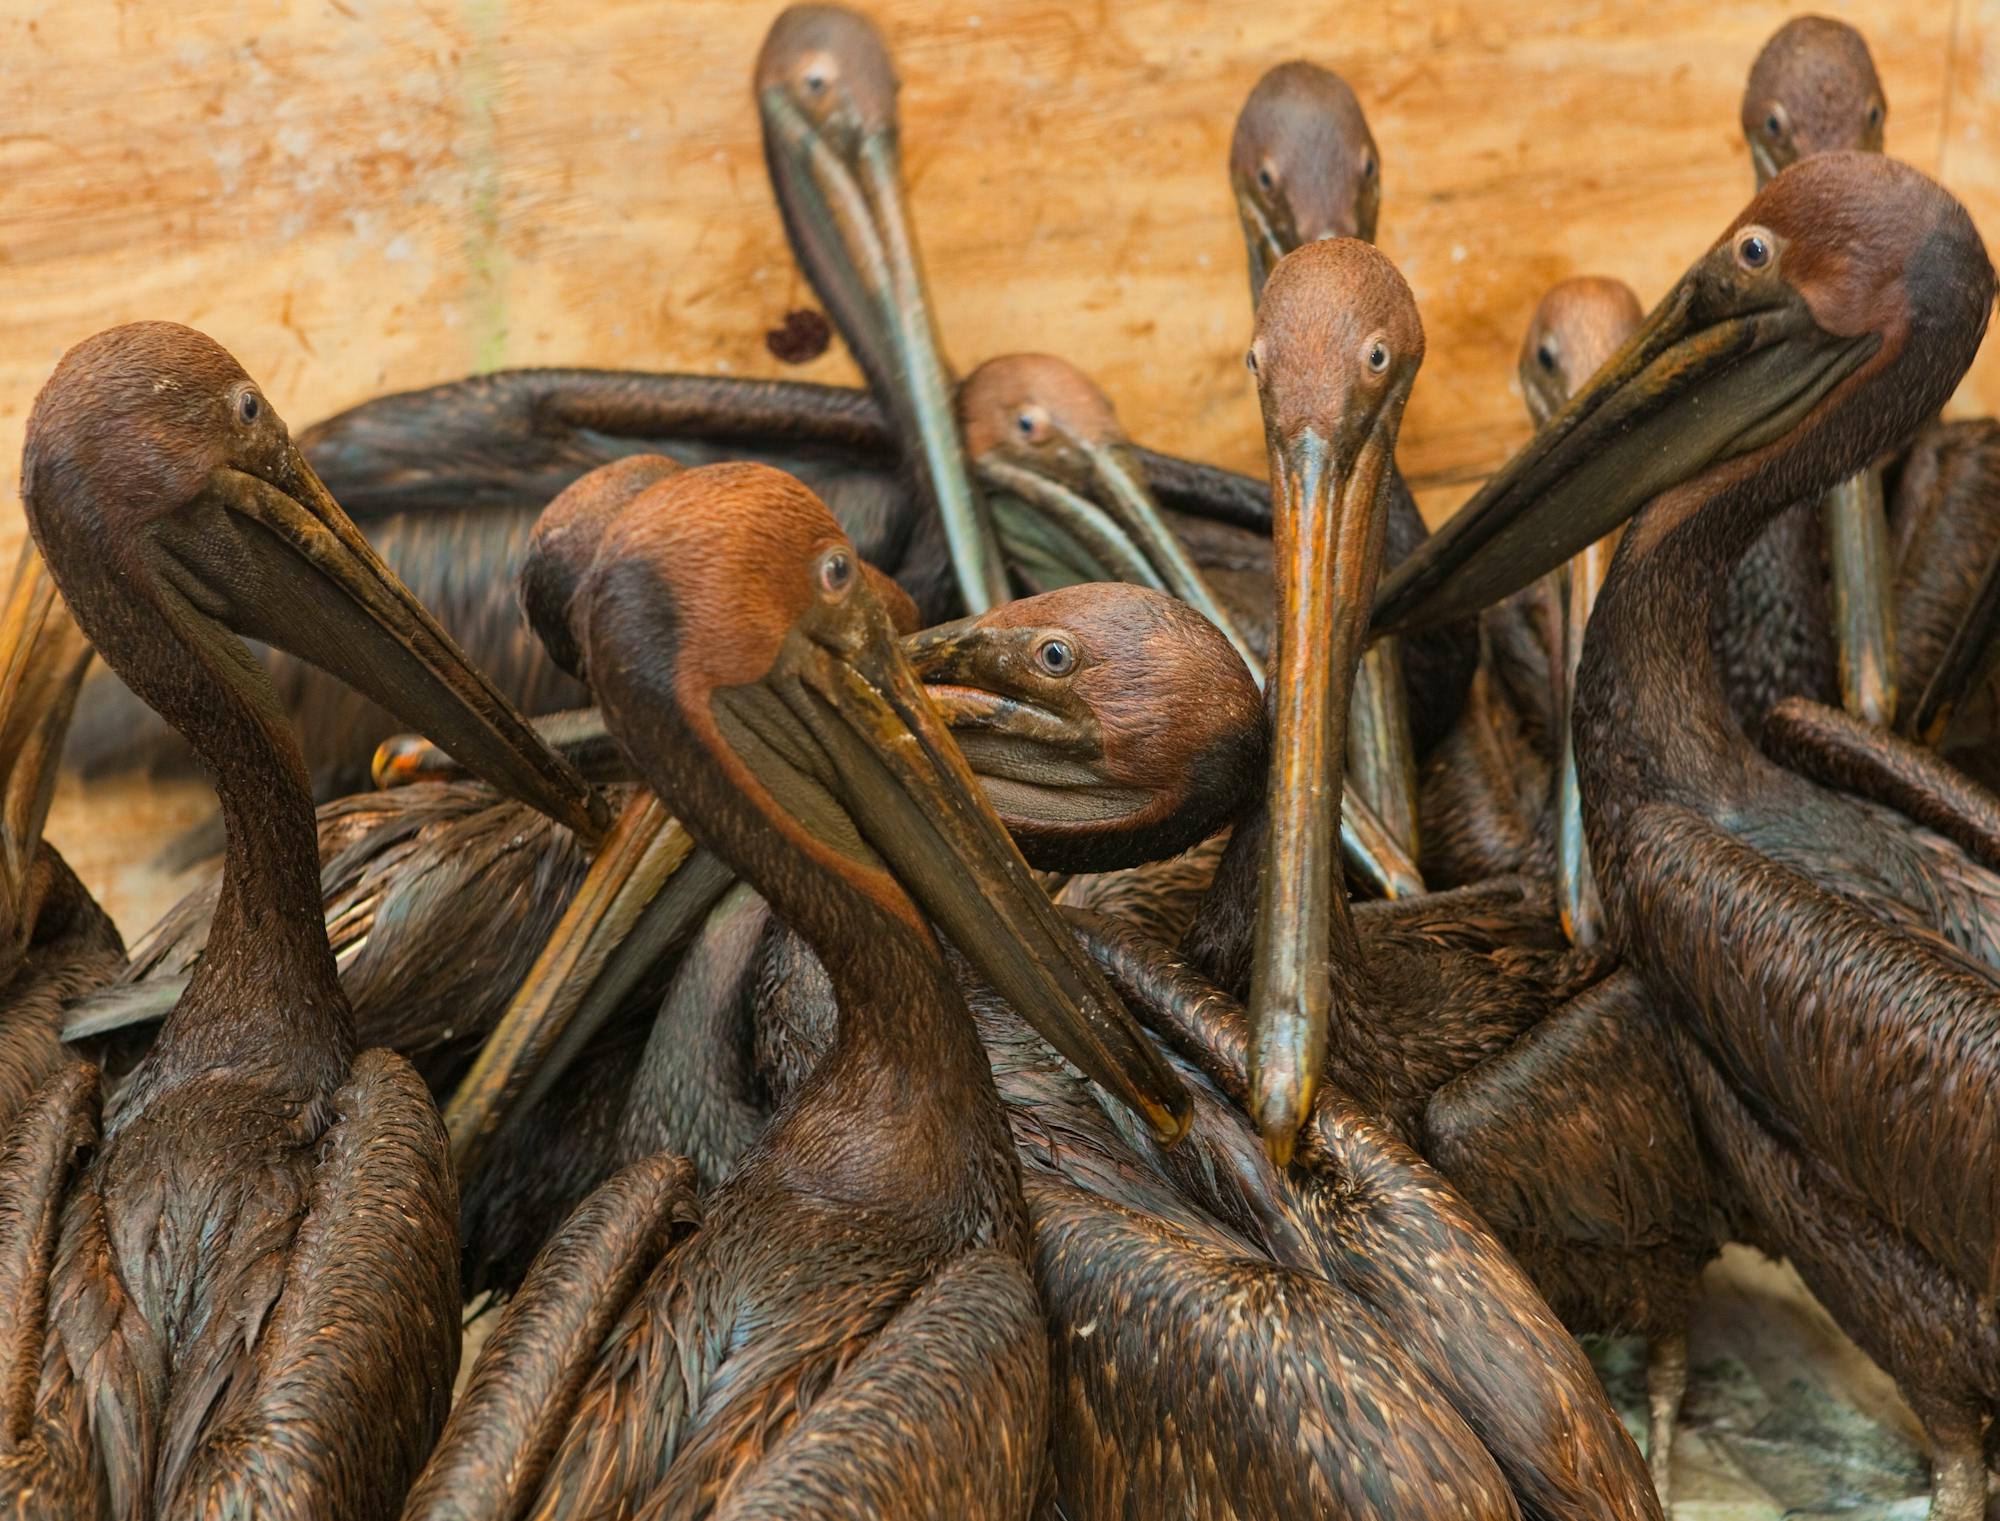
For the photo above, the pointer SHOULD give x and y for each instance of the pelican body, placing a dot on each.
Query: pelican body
(1831, 956)
(235, 1290)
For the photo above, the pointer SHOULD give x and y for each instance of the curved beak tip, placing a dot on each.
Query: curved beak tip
(1281, 1095)
(1278, 1144)
(398, 761)
(1170, 1124)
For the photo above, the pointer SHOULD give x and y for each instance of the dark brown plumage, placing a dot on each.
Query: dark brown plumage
(1812, 89)
(71, 948)
(1537, 1083)
(1576, 1143)
(55, 942)
(402, 872)
(1383, 1011)
(1490, 788)
(853, 1329)
(1303, 166)
(1945, 522)
(1489, 791)
(240, 1292)
(1396, 1237)
(1830, 960)
(1310, 1401)
(1072, 761)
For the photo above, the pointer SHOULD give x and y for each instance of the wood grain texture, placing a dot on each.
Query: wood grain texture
(359, 195)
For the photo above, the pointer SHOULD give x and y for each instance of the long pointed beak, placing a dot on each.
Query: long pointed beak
(643, 893)
(43, 657)
(850, 229)
(1764, 163)
(1969, 659)
(916, 804)
(1857, 544)
(1061, 529)
(1577, 902)
(1329, 548)
(315, 588)
(1687, 391)
(1122, 481)
(1264, 241)
(1382, 754)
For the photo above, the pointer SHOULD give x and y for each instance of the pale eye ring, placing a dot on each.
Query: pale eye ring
(1056, 656)
(1545, 355)
(1377, 356)
(1754, 249)
(1250, 360)
(249, 406)
(1264, 176)
(836, 572)
(815, 81)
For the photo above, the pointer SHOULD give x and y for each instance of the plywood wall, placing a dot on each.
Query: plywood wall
(359, 195)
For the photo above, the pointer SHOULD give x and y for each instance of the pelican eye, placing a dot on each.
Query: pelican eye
(249, 406)
(836, 572)
(1378, 356)
(1055, 656)
(1368, 167)
(1250, 360)
(1545, 356)
(1753, 248)
(1875, 114)
(1265, 177)
(1774, 126)
(815, 81)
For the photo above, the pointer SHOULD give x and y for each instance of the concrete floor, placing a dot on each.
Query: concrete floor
(1784, 1416)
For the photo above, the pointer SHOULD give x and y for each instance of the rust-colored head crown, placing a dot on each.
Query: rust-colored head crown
(147, 412)
(1813, 89)
(1580, 323)
(834, 66)
(566, 539)
(1337, 335)
(737, 546)
(1026, 401)
(1167, 690)
(1303, 154)
(1872, 245)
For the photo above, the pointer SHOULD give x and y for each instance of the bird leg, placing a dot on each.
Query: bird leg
(1666, 1387)
(1958, 1472)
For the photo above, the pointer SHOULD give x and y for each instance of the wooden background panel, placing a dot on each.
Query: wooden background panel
(358, 195)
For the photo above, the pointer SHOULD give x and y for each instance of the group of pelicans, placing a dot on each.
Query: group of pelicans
(889, 1066)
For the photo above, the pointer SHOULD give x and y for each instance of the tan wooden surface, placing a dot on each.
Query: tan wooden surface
(358, 195)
